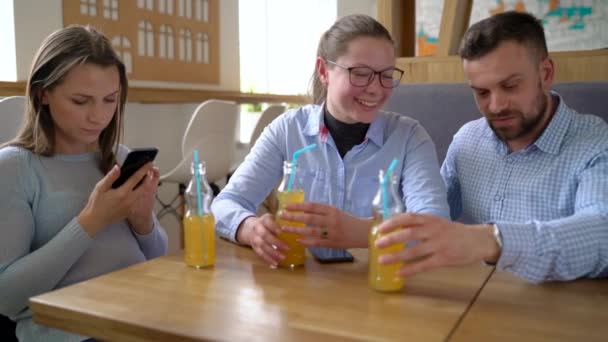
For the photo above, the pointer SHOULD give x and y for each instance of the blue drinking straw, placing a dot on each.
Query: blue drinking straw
(197, 177)
(199, 202)
(390, 170)
(384, 186)
(294, 159)
(384, 198)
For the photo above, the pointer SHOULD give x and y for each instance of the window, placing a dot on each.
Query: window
(123, 47)
(110, 9)
(88, 7)
(267, 35)
(165, 42)
(201, 10)
(145, 39)
(147, 4)
(185, 8)
(202, 48)
(165, 6)
(185, 45)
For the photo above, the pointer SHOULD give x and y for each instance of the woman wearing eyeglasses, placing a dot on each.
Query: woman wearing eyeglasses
(354, 76)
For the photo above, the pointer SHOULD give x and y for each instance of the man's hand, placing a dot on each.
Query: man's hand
(440, 243)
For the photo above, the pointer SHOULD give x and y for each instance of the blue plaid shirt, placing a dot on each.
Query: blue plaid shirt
(549, 200)
(348, 183)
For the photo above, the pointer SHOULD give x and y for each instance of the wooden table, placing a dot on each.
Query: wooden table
(511, 309)
(243, 299)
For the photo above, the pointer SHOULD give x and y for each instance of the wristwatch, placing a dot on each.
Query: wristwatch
(497, 236)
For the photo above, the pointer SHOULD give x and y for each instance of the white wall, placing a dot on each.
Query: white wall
(34, 21)
(8, 61)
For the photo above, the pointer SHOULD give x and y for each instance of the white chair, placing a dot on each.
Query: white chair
(266, 117)
(11, 114)
(211, 131)
(269, 114)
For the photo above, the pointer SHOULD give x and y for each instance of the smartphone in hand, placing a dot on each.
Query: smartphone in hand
(136, 158)
(325, 256)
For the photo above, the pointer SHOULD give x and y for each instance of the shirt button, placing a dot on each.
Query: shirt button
(509, 160)
(497, 197)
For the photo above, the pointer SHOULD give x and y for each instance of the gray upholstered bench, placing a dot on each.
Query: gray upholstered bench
(443, 108)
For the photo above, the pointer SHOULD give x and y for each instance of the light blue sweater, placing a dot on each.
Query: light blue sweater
(42, 246)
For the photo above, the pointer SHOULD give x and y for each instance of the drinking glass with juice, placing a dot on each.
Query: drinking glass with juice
(199, 240)
(384, 277)
(199, 223)
(296, 256)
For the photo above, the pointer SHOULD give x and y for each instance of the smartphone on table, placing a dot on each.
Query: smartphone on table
(330, 256)
(136, 158)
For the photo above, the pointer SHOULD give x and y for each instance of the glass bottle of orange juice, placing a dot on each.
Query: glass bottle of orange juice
(384, 277)
(199, 224)
(296, 256)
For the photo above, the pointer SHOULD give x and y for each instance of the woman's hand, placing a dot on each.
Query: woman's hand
(107, 205)
(261, 234)
(327, 226)
(140, 216)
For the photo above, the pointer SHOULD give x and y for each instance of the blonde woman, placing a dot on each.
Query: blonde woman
(62, 222)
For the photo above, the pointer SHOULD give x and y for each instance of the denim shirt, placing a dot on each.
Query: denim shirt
(348, 183)
(549, 200)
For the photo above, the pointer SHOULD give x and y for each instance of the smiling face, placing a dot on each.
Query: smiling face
(511, 88)
(82, 106)
(352, 104)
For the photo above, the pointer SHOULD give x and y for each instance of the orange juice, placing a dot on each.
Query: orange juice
(296, 255)
(383, 277)
(199, 240)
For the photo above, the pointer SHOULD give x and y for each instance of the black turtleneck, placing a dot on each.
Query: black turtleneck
(345, 135)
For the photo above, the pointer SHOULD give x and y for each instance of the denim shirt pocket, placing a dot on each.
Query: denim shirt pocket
(361, 195)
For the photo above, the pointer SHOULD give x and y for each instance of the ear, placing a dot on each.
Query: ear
(321, 68)
(547, 73)
(44, 97)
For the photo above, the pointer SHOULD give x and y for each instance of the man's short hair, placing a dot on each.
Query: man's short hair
(486, 35)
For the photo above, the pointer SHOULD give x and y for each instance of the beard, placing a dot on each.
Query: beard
(524, 123)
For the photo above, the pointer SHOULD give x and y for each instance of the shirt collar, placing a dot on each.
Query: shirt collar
(316, 126)
(315, 120)
(551, 139)
(375, 133)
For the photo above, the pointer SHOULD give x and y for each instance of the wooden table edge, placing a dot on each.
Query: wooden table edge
(95, 326)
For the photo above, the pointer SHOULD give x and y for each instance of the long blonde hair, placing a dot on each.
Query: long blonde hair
(58, 55)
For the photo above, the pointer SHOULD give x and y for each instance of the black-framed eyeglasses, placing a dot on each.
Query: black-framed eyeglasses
(362, 76)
